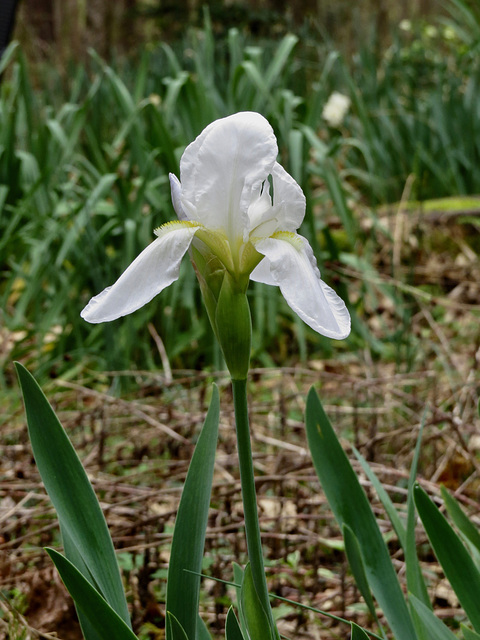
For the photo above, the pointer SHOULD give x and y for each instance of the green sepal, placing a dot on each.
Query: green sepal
(234, 327)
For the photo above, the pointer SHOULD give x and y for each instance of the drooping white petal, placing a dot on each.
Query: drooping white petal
(262, 272)
(152, 271)
(289, 263)
(224, 167)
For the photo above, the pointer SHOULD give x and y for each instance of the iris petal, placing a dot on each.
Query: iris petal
(154, 269)
(288, 199)
(224, 168)
(289, 263)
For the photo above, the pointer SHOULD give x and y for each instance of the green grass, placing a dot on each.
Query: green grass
(84, 166)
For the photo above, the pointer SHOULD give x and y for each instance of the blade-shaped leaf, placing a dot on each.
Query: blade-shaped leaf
(435, 628)
(232, 627)
(72, 554)
(183, 582)
(255, 616)
(454, 558)
(202, 631)
(106, 622)
(384, 499)
(354, 556)
(357, 633)
(174, 628)
(415, 581)
(460, 518)
(238, 574)
(350, 506)
(468, 634)
(71, 493)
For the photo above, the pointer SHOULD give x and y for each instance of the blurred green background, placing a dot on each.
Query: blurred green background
(99, 99)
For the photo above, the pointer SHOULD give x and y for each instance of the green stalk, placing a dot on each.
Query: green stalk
(252, 526)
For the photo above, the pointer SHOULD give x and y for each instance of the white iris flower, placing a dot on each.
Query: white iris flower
(238, 212)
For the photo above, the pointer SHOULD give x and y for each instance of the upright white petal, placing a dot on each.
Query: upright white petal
(176, 191)
(224, 167)
(289, 262)
(154, 269)
(288, 199)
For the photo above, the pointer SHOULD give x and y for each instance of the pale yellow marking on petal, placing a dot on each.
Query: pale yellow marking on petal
(173, 225)
(287, 236)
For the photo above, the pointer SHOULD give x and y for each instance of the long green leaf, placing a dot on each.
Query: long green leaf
(460, 518)
(468, 634)
(454, 558)
(350, 506)
(415, 581)
(72, 495)
(71, 552)
(256, 617)
(385, 499)
(357, 633)
(174, 629)
(355, 560)
(279, 60)
(237, 585)
(106, 622)
(435, 628)
(232, 627)
(238, 575)
(202, 631)
(183, 582)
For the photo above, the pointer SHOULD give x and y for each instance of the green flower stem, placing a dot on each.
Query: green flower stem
(252, 526)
